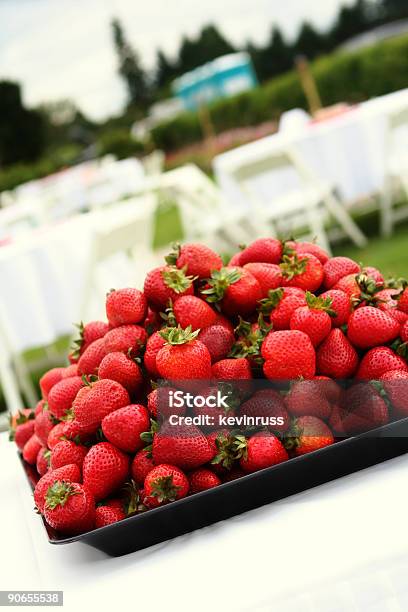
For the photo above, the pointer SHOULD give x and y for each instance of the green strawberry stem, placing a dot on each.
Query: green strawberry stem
(176, 279)
(58, 494)
(164, 489)
(173, 256)
(292, 266)
(320, 303)
(272, 301)
(219, 282)
(178, 335)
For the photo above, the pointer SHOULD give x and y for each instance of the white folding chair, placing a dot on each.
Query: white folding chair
(305, 202)
(396, 171)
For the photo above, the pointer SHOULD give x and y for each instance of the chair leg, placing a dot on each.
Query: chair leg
(386, 208)
(338, 211)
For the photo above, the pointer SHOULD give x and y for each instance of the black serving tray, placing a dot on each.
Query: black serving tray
(251, 491)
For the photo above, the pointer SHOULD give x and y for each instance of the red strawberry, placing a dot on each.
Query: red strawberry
(105, 469)
(363, 409)
(158, 403)
(269, 276)
(129, 339)
(88, 334)
(123, 427)
(235, 289)
(183, 446)
(62, 396)
(39, 407)
(307, 398)
(337, 267)
(369, 327)
(106, 515)
(378, 361)
(69, 508)
(183, 356)
(197, 259)
(142, 464)
(232, 369)
(164, 284)
(264, 250)
(95, 401)
(235, 259)
(164, 483)
(202, 480)
(125, 306)
(395, 383)
(191, 310)
(336, 357)
(262, 450)
(331, 390)
(340, 304)
(313, 319)
(375, 274)
(91, 358)
(288, 355)
(281, 304)
(307, 248)
(224, 322)
(403, 301)
(310, 434)
(153, 321)
(153, 346)
(218, 340)
(404, 332)
(49, 379)
(68, 473)
(31, 449)
(56, 434)
(22, 429)
(303, 271)
(386, 300)
(43, 426)
(122, 369)
(43, 461)
(267, 403)
(70, 371)
(67, 452)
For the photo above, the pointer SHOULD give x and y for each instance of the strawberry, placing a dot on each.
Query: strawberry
(43, 426)
(153, 321)
(183, 446)
(198, 260)
(129, 339)
(375, 274)
(56, 434)
(264, 250)
(71, 370)
(281, 304)
(267, 403)
(403, 301)
(235, 260)
(369, 327)
(386, 300)
(378, 361)
(49, 379)
(308, 248)
(105, 469)
(269, 276)
(340, 304)
(106, 515)
(22, 428)
(395, 383)
(69, 507)
(235, 290)
(62, 396)
(202, 480)
(404, 332)
(232, 369)
(224, 322)
(337, 267)
(39, 407)
(164, 483)
(164, 284)
(158, 403)
(183, 356)
(43, 461)
(262, 450)
(123, 427)
(193, 311)
(309, 433)
(31, 449)
(125, 306)
(122, 369)
(363, 409)
(153, 346)
(91, 358)
(331, 390)
(218, 340)
(307, 398)
(303, 271)
(336, 357)
(288, 355)
(68, 473)
(142, 464)
(89, 333)
(67, 452)
(95, 401)
(313, 319)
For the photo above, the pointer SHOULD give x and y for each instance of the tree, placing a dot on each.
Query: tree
(165, 70)
(351, 21)
(273, 59)
(22, 131)
(309, 41)
(130, 70)
(209, 45)
(394, 9)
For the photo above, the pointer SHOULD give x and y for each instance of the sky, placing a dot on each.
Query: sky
(59, 49)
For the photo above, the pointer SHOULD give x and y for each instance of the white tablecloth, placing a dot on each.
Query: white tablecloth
(346, 151)
(340, 547)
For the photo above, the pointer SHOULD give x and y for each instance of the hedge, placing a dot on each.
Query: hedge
(342, 76)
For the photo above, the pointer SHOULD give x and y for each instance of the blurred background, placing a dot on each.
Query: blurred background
(124, 128)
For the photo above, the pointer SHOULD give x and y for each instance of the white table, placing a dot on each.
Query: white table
(347, 152)
(340, 547)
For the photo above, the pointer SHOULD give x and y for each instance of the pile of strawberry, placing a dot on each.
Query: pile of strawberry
(278, 311)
